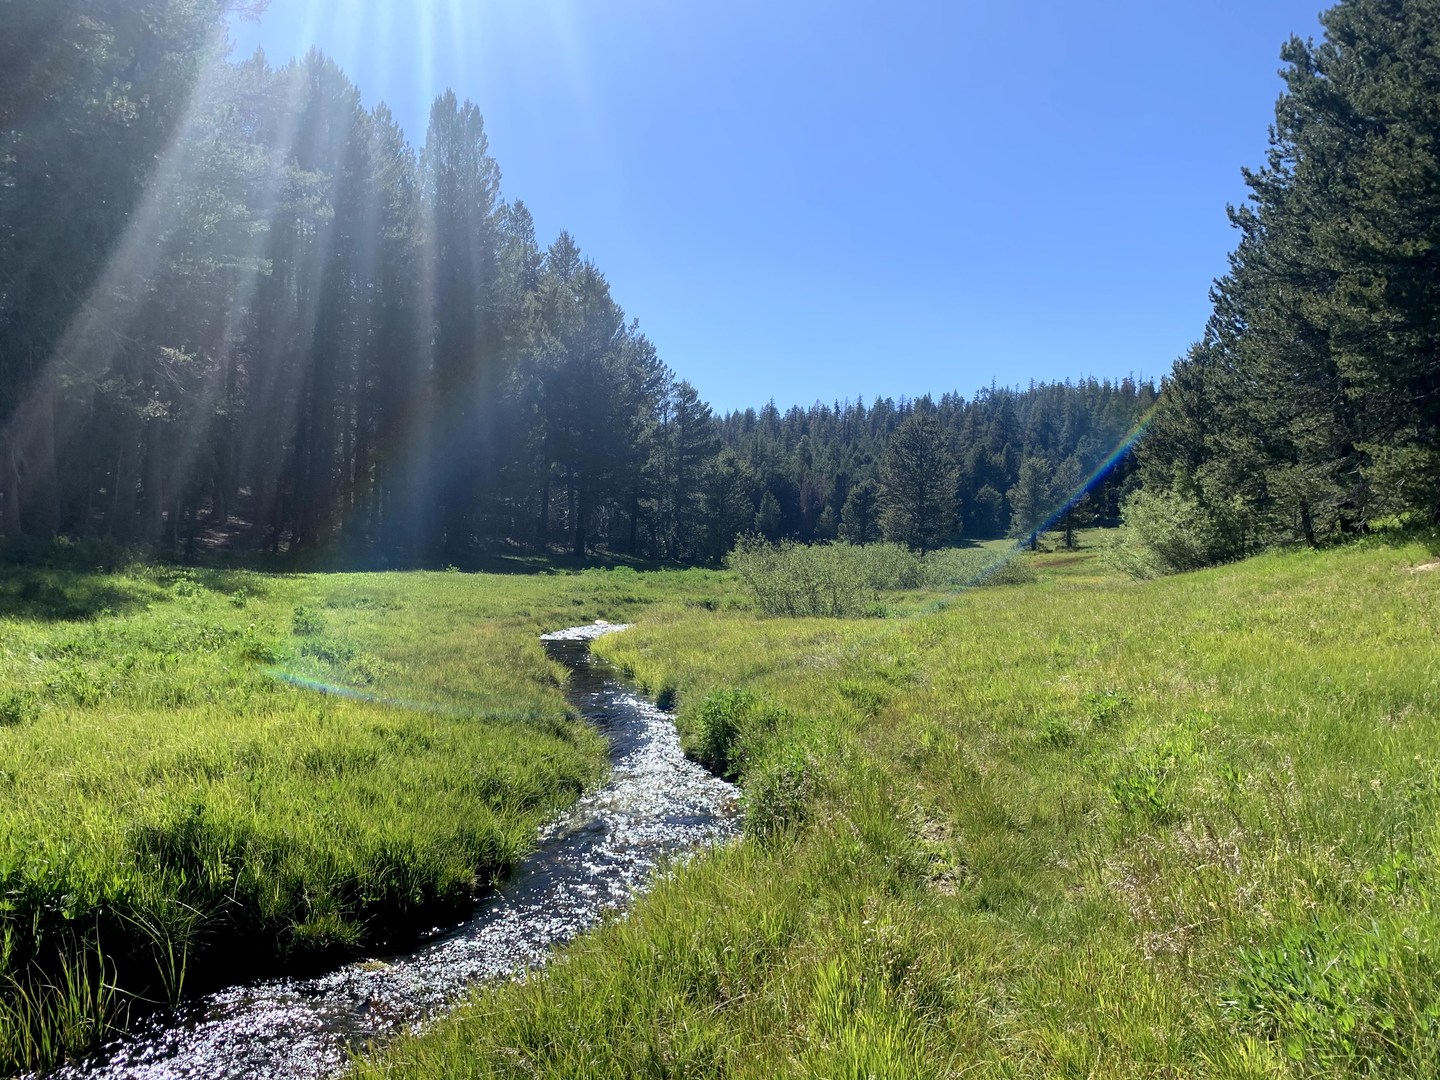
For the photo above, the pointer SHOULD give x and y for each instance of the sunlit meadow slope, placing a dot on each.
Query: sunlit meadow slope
(1082, 827)
(205, 772)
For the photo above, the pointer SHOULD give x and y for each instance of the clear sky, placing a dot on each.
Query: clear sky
(822, 199)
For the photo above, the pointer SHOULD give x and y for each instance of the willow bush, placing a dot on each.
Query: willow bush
(847, 580)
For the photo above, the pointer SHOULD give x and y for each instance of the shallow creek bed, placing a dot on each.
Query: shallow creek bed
(657, 805)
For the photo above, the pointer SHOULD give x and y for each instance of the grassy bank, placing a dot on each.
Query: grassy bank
(1081, 827)
(207, 772)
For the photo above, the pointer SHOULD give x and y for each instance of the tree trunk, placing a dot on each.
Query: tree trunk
(120, 519)
(1307, 524)
(192, 528)
(153, 505)
(44, 477)
(582, 510)
(9, 491)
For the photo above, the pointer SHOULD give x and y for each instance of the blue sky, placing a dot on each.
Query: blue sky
(806, 200)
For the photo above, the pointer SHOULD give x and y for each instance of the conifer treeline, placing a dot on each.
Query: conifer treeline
(236, 306)
(1312, 405)
(820, 473)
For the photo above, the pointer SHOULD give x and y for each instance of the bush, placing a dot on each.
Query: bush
(844, 580)
(16, 706)
(1168, 532)
(791, 579)
(306, 622)
(954, 568)
(777, 793)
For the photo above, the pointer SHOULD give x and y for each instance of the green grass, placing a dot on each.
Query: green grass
(208, 773)
(1087, 826)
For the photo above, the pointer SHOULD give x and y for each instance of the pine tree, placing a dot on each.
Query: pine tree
(1313, 402)
(769, 520)
(918, 485)
(462, 200)
(860, 516)
(1030, 501)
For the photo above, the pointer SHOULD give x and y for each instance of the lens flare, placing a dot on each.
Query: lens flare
(1097, 476)
(351, 693)
(1101, 471)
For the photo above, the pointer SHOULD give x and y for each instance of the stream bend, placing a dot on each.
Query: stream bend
(592, 859)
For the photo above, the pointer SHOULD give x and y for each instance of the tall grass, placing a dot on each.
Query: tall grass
(203, 774)
(1087, 827)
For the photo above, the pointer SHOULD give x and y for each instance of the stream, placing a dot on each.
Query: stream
(657, 805)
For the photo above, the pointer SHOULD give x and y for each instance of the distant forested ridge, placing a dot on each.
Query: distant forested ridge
(831, 472)
(236, 307)
(1311, 407)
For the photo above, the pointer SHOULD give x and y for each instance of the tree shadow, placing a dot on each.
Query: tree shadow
(44, 595)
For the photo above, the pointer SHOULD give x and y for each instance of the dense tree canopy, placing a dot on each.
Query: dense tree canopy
(237, 308)
(919, 477)
(1312, 405)
(826, 463)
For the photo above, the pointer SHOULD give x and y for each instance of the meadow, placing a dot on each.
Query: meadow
(209, 773)
(1086, 826)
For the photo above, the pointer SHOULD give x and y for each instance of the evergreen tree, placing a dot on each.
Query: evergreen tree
(918, 485)
(462, 204)
(1313, 402)
(688, 445)
(728, 510)
(860, 517)
(1075, 510)
(986, 518)
(1030, 501)
(262, 314)
(75, 230)
(769, 521)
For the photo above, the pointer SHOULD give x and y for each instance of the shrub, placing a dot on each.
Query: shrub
(306, 622)
(1168, 532)
(954, 568)
(16, 706)
(1056, 731)
(718, 724)
(845, 580)
(1144, 784)
(1105, 707)
(794, 580)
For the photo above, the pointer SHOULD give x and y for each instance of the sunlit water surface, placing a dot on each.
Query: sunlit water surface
(656, 806)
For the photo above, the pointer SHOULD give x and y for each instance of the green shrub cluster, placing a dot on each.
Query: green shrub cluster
(1170, 531)
(846, 580)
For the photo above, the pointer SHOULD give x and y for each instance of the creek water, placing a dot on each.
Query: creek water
(657, 805)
